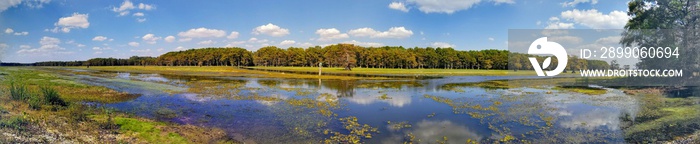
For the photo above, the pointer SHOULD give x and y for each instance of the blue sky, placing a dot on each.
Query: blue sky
(50, 30)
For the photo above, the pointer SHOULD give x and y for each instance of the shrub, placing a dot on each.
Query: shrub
(51, 97)
(35, 102)
(19, 92)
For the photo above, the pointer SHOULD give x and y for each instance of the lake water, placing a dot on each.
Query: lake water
(267, 110)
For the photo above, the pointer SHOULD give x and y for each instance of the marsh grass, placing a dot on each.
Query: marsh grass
(76, 121)
(51, 97)
(18, 92)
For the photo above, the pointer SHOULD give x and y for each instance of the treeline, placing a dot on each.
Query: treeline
(339, 55)
(132, 61)
(348, 55)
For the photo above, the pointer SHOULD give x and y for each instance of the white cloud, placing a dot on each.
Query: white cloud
(202, 33)
(575, 2)
(597, 20)
(134, 44)
(491, 39)
(48, 44)
(256, 40)
(99, 38)
(140, 19)
(49, 41)
(398, 6)
(559, 25)
(5, 4)
(442, 45)
(146, 6)
(443, 6)
(24, 46)
(394, 32)
(554, 23)
(503, 1)
(170, 39)
(127, 5)
(80, 45)
(150, 38)
(330, 34)
(449, 6)
(271, 30)
(287, 42)
(65, 24)
(180, 48)
(36, 3)
(4, 46)
(138, 14)
(207, 42)
(366, 44)
(21, 33)
(233, 35)
(10, 31)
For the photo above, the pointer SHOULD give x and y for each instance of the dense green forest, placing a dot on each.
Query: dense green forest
(339, 55)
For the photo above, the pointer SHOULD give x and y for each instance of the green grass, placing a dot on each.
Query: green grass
(33, 79)
(18, 92)
(15, 122)
(148, 131)
(390, 71)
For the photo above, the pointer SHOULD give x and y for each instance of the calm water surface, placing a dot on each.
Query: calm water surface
(265, 110)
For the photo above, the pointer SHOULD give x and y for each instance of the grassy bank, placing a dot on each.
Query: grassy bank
(41, 107)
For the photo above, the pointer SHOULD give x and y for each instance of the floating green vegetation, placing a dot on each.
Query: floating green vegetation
(400, 125)
(324, 103)
(357, 132)
(166, 113)
(215, 88)
(582, 89)
(494, 84)
(465, 107)
(384, 97)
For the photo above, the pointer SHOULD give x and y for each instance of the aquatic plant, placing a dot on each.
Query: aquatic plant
(357, 132)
